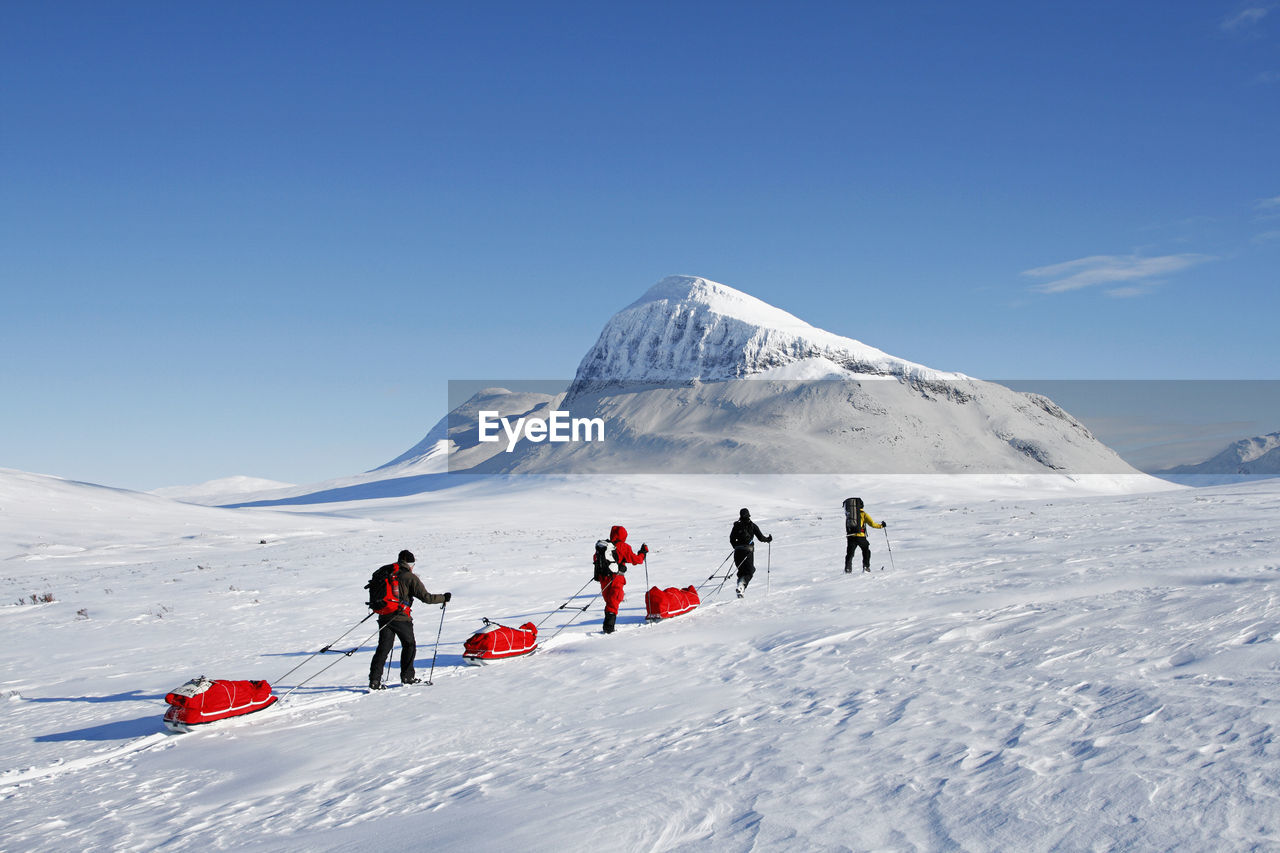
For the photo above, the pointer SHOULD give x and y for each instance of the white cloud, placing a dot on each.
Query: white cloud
(1245, 18)
(1110, 269)
(1130, 291)
(1268, 203)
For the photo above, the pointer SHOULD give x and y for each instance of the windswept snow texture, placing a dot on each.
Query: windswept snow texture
(1035, 668)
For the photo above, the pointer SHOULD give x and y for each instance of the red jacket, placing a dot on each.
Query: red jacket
(618, 536)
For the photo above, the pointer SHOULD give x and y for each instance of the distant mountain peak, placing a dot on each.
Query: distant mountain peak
(1259, 455)
(675, 291)
(688, 328)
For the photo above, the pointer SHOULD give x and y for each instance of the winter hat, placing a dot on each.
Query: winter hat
(744, 513)
(406, 558)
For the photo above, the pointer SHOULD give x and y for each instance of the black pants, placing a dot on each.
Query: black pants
(745, 560)
(856, 542)
(402, 628)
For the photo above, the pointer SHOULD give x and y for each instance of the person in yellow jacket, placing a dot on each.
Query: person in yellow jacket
(856, 522)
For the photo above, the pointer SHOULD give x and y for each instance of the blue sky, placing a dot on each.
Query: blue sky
(259, 238)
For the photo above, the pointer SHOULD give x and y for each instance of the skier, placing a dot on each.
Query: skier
(855, 529)
(400, 623)
(742, 537)
(613, 584)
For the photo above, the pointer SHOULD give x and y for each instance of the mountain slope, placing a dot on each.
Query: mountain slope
(697, 377)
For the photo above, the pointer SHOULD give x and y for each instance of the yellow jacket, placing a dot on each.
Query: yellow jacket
(867, 520)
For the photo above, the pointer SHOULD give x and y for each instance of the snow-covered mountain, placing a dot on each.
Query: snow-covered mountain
(697, 377)
(688, 328)
(220, 491)
(1257, 456)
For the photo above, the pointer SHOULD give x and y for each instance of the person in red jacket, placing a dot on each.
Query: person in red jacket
(613, 584)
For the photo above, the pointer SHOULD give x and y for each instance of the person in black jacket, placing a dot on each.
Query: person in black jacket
(742, 537)
(400, 622)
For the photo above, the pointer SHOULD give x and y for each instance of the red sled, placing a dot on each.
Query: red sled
(206, 700)
(665, 603)
(498, 642)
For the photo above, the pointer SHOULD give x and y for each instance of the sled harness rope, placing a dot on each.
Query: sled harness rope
(322, 651)
(345, 654)
(581, 610)
(566, 603)
(716, 574)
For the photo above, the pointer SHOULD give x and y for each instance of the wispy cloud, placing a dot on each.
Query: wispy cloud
(1245, 18)
(1130, 291)
(1131, 270)
(1268, 203)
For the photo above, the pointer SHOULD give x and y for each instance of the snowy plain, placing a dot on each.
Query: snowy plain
(1044, 663)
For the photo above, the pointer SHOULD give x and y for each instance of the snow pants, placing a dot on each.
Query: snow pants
(745, 561)
(402, 628)
(856, 542)
(612, 591)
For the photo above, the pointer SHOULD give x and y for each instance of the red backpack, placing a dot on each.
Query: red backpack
(384, 592)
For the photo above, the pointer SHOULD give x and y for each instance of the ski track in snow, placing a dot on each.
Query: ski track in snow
(1068, 672)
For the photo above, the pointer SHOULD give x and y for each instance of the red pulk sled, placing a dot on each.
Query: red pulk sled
(665, 603)
(204, 700)
(499, 642)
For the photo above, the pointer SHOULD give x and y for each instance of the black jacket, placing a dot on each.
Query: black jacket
(411, 587)
(744, 534)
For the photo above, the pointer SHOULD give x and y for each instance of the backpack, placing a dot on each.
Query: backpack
(384, 591)
(741, 535)
(853, 516)
(600, 562)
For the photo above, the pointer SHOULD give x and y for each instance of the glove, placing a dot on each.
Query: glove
(644, 549)
(622, 569)
(884, 524)
(768, 538)
(448, 596)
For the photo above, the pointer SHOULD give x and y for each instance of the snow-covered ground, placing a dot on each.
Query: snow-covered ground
(1043, 665)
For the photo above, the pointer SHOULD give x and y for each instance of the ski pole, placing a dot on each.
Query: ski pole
(890, 547)
(436, 651)
(325, 649)
(646, 570)
(768, 568)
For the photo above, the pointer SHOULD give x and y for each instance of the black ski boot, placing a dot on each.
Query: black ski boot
(375, 684)
(609, 620)
(411, 681)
